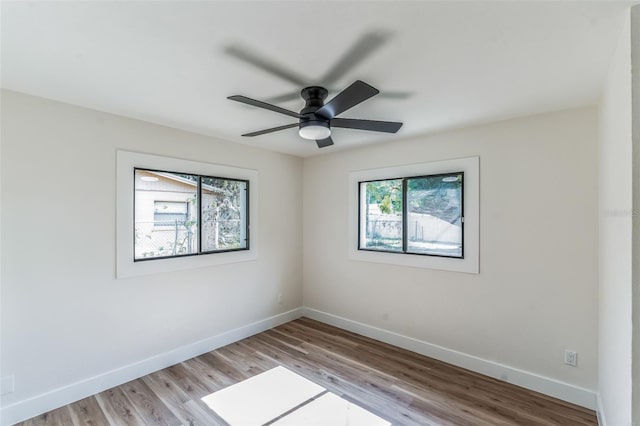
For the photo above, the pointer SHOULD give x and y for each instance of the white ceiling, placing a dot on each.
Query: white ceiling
(461, 63)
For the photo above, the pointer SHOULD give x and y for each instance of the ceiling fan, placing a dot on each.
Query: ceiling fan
(316, 119)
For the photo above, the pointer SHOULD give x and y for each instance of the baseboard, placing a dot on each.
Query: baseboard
(600, 411)
(555, 388)
(55, 398)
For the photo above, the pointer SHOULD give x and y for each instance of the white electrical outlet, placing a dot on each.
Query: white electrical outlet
(571, 358)
(7, 384)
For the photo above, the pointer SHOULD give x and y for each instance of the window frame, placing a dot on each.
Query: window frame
(198, 189)
(126, 161)
(405, 214)
(470, 264)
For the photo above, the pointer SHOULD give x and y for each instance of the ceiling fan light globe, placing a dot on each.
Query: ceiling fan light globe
(314, 132)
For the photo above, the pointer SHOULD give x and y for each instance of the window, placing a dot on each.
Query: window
(148, 166)
(415, 215)
(411, 196)
(169, 223)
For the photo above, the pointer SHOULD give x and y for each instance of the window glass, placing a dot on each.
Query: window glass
(223, 214)
(165, 223)
(434, 215)
(382, 215)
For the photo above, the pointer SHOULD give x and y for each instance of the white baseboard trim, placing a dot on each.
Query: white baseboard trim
(602, 421)
(555, 388)
(55, 398)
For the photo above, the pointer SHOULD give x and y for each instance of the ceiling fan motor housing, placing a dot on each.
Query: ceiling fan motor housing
(314, 97)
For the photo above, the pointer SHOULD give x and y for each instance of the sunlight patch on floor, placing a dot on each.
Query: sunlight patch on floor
(268, 396)
(260, 399)
(331, 410)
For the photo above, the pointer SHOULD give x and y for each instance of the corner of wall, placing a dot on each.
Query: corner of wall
(617, 183)
(635, 132)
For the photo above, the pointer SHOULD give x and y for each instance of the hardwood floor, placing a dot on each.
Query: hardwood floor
(400, 386)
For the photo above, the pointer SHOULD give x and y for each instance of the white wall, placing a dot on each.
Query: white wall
(65, 318)
(536, 293)
(615, 206)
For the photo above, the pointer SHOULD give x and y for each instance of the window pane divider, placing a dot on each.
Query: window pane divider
(404, 215)
(199, 216)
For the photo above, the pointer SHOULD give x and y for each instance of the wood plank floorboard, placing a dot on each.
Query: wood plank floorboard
(87, 412)
(405, 388)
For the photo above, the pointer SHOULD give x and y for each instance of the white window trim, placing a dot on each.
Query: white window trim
(126, 161)
(471, 262)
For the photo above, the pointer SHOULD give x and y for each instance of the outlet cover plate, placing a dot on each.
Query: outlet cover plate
(571, 358)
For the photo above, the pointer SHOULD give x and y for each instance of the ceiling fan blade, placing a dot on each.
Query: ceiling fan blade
(359, 51)
(373, 125)
(264, 105)
(323, 143)
(253, 58)
(285, 98)
(296, 96)
(349, 97)
(396, 95)
(273, 129)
